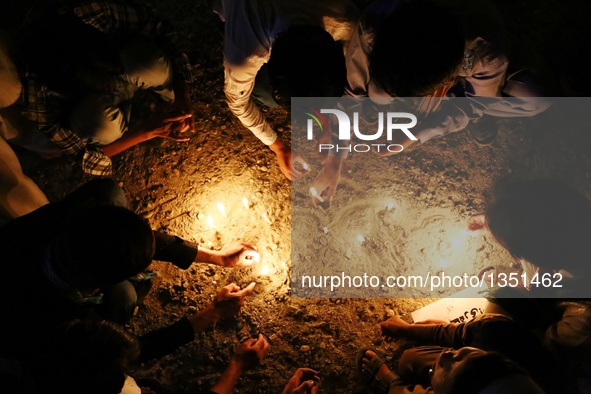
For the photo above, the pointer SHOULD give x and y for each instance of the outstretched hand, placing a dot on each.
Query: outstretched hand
(303, 381)
(286, 160)
(251, 352)
(393, 328)
(165, 126)
(324, 187)
(239, 254)
(229, 299)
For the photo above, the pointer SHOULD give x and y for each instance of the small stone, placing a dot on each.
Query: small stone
(304, 348)
(348, 254)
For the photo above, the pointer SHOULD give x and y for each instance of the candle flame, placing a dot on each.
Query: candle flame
(314, 193)
(221, 208)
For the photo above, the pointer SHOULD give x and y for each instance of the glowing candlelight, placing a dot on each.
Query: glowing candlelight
(250, 257)
(458, 242)
(245, 202)
(221, 208)
(315, 194)
(210, 222)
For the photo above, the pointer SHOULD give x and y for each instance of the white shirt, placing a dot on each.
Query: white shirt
(250, 29)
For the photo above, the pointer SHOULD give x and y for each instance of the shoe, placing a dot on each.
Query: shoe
(370, 372)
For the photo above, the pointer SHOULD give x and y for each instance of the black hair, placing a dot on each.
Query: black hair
(545, 222)
(416, 49)
(306, 62)
(85, 356)
(102, 245)
(68, 55)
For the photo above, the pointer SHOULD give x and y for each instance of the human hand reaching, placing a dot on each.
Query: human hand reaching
(238, 254)
(251, 352)
(303, 381)
(393, 328)
(229, 299)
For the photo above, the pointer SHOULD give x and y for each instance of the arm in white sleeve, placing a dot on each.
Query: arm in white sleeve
(238, 86)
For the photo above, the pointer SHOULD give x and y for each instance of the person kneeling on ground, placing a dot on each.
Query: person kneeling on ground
(62, 256)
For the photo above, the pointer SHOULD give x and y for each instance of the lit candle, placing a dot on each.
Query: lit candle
(221, 208)
(250, 257)
(315, 194)
(265, 270)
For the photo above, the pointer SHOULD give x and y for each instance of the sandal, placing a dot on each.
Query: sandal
(370, 372)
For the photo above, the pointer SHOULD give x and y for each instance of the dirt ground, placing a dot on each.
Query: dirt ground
(179, 187)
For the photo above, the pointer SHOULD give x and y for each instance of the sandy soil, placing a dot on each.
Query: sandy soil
(434, 187)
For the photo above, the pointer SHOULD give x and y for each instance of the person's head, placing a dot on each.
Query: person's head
(100, 246)
(544, 222)
(86, 356)
(469, 370)
(306, 62)
(417, 50)
(69, 55)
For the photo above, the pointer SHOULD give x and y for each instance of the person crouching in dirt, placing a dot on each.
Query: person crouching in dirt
(431, 50)
(99, 78)
(84, 257)
(547, 225)
(276, 50)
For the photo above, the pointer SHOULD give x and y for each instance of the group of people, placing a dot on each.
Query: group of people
(91, 78)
